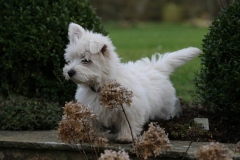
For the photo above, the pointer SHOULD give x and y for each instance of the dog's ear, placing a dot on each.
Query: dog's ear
(96, 47)
(75, 31)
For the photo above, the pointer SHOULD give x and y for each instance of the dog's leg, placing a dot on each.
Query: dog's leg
(124, 135)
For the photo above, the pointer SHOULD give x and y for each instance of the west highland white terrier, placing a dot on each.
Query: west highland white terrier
(91, 60)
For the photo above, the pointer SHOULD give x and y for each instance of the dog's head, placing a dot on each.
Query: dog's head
(90, 57)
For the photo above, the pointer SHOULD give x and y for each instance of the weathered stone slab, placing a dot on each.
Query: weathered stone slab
(27, 145)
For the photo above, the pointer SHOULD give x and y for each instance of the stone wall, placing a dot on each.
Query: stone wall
(44, 145)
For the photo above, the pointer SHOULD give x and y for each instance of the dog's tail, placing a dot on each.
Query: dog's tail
(167, 63)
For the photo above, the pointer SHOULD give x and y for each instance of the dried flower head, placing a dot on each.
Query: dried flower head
(76, 124)
(152, 143)
(113, 155)
(237, 148)
(113, 94)
(213, 151)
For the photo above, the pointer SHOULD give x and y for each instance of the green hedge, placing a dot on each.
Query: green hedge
(21, 113)
(33, 36)
(218, 83)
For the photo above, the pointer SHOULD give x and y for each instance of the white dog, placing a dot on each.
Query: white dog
(91, 60)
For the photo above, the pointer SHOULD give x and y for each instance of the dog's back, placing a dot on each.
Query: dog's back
(153, 76)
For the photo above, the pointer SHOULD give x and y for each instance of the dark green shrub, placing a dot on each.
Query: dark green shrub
(20, 113)
(33, 36)
(218, 83)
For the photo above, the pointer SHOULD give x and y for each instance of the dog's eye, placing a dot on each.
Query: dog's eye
(85, 61)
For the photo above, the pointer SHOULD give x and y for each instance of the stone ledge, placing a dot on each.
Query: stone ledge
(25, 145)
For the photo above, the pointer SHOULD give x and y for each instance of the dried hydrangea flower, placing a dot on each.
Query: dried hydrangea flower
(113, 155)
(76, 125)
(113, 94)
(152, 143)
(237, 148)
(213, 151)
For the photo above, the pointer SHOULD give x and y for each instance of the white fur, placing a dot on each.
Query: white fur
(154, 95)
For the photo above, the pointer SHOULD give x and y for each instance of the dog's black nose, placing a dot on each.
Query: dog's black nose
(71, 73)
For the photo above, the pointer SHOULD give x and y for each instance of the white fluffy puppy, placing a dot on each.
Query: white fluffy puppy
(91, 60)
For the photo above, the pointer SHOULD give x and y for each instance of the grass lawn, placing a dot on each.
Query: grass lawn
(144, 39)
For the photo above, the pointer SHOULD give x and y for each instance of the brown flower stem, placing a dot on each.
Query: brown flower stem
(187, 149)
(129, 127)
(83, 151)
(128, 124)
(139, 154)
(90, 141)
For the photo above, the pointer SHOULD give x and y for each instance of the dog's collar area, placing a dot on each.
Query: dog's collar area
(93, 88)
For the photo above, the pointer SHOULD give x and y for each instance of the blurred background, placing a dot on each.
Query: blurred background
(158, 10)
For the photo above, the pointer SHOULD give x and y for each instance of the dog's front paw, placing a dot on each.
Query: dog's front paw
(124, 139)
